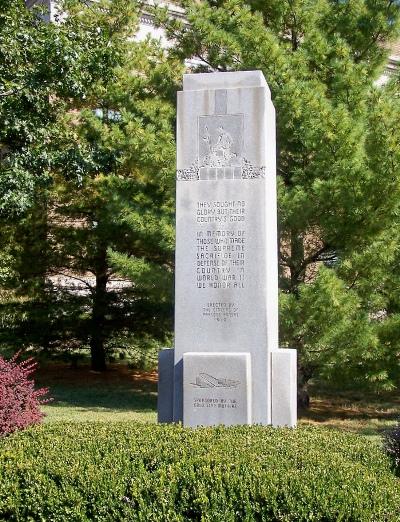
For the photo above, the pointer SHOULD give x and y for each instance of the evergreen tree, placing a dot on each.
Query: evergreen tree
(119, 217)
(338, 166)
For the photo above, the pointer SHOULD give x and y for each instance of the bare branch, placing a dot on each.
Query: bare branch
(10, 92)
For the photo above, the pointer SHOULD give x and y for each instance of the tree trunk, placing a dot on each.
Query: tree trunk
(297, 257)
(33, 236)
(297, 276)
(303, 376)
(97, 338)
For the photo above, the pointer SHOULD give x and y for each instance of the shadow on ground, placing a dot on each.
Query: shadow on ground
(368, 415)
(118, 389)
(125, 394)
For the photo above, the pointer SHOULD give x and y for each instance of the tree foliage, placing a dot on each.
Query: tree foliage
(108, 211)
(338, 167)
(43, 67)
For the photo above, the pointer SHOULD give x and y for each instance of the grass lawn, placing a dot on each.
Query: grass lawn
(367, 415)
(81, 395)
(124, 394)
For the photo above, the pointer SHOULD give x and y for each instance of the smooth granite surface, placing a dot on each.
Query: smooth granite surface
(165, 395)
(284, 388)
(217, 389)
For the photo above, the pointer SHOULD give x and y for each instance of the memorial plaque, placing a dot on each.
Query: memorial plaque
(226, 231)
(217, 389)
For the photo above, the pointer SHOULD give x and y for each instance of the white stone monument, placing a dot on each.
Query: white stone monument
(227, 368)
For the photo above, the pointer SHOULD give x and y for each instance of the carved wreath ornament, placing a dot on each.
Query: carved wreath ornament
(248, 171)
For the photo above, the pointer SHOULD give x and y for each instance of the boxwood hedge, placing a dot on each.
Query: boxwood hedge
(114, 472)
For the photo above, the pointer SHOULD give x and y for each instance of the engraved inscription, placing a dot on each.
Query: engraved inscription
(220, 253)
(228, 211)
(221, 311)
(215, 403)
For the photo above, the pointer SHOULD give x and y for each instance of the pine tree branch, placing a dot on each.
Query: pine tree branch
(315, 257)
(11, 92)
(69, 276)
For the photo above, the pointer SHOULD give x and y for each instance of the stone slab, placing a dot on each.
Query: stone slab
(284, 388)
(216, 389)
(165, 398)
(223, 80)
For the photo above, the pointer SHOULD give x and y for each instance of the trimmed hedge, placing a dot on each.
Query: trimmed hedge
(392, 446)
(123, 472)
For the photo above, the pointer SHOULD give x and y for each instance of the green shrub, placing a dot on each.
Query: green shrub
(123, 472)
(392, 446)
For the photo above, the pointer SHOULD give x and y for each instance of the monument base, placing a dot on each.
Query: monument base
(217, 388)
(284, 387)
(165, 398)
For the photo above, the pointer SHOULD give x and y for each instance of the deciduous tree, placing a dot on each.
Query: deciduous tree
(109, 207)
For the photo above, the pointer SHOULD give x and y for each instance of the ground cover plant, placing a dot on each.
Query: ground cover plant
(127, 471)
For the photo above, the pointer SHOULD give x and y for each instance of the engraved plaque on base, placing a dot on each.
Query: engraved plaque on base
(217, 389)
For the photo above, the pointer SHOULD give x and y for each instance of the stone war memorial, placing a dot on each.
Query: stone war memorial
(226, 367)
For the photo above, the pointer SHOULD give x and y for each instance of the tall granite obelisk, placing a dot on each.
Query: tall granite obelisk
(226, 290)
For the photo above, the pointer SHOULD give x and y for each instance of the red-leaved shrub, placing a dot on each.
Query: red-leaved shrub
(19, 401)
